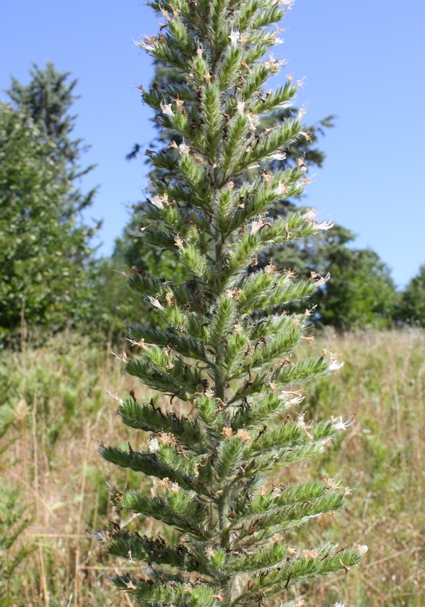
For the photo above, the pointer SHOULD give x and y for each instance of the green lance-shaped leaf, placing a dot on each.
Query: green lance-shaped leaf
(264, 408)
(177, 468)
(274, 325)
(212, 115)
(146, 285)
(199, 70)
(241, 256)
(133, 546)
(181, 37)
(224, 319)
(267, 351)
(195, 262)
(160, 239)
(167, 54)
(235, 352)
(303, 370)
(268, 16)
(192, 173)
(276, 99)
(290, 516)
(301, 569)
(269, 461)
(165, 159)
(180, 379)
(229, 458)
(183, 344)
(234, 145)
(224, 207)
(165, 590)
(254, 81)
(245, 15)
(266, 296)
(293, 503)
(252, 203)
(290, 435)
(294, 227)
(179, 509)
(264, 560)
(280, 138)
(152, 419)
(229, 69)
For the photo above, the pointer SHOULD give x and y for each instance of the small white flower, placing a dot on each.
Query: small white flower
(360, 549)
(340, 424)
(166, 109)
(155, 302)
(295, 401)
(254, 121)
(301, 114)
(339, 604)
(143, 45)
(184, 149)
(241, 106)
(157, 202)
(325, 225)
(335, 365)
(281, 189)
(278, 156)
(322, 281)
(234, 37)
(153, 445)
(148, 570)
(278, 41)
(300, 420)
(285, 104)
(310, 215)
(256, 225)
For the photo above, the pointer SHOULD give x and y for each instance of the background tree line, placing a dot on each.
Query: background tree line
(51, 277)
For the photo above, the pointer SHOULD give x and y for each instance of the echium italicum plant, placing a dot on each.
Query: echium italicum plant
(225, 357)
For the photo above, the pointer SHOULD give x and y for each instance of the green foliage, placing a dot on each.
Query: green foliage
(13, 522)
(225, 345)
(44, 260)
(14, 517)
(46, 100)
(411, 307)
(59, 386)
(131, 248)
(381, 455)
(361, 293)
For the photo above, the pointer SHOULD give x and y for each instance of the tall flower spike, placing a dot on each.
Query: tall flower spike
(223, 351)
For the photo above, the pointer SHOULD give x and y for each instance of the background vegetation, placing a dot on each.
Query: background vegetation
(59, 390)
(62, 310)
(51, 276)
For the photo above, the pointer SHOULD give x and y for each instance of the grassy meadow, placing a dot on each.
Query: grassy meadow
(54, 485)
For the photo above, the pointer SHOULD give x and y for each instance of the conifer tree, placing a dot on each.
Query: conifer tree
(44, 261)
(47, 99)
(226, 355)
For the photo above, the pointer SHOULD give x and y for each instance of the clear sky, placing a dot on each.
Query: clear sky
(362, 61)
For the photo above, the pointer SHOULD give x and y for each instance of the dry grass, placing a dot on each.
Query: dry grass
(381, 457)
(58, 393)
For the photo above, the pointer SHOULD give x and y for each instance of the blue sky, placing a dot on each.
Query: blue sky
(362, 61)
